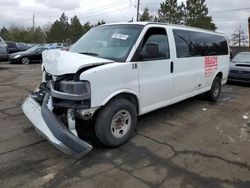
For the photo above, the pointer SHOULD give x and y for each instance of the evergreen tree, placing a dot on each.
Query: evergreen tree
(86, 27)
(60, 30)
(145, 16)
(100, 23)
(3, 31)
(196, 15)
(171, 12)
(76, 29)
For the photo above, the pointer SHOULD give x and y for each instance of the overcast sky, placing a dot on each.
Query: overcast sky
(19, 12)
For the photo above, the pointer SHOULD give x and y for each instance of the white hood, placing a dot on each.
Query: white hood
(58, 62)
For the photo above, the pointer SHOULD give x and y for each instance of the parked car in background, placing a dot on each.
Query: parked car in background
(3, 50)
(240, 68)
(33, 54)
(12, 47)
(22, 46)
(60, 44)
(56, 45)
(65, 49)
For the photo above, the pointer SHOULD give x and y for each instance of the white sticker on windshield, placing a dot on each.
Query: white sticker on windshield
(120, 36)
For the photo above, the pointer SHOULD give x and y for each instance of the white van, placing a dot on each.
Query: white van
(3, 50)
(117, 72)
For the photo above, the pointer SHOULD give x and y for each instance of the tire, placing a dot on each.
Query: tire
(25, 61)
(116, 122)
(215, 90)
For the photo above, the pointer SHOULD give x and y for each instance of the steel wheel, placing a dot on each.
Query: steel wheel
(121, 123)
(116, 122)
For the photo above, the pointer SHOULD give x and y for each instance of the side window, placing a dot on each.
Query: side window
(183, 44)
(197, 43)
(40, 50)
(162, 41)
(154, 46)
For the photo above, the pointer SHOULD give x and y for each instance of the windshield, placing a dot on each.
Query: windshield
(110, 42)
(243, 57)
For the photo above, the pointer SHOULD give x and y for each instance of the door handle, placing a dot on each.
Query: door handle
(171, 67)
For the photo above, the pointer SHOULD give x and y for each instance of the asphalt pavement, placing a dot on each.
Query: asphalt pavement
(193, 143)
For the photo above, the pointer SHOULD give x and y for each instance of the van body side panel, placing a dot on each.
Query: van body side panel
(109, 80)
(195, 74)
(223, 67)
(186, 71)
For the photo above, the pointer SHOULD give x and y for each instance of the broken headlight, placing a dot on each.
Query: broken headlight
(73, 87)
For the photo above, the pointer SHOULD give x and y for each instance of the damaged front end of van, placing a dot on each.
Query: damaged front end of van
(61, 98)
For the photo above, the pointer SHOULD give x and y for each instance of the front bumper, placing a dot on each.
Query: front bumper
(16, 60)
(49, 126)
(239, 77)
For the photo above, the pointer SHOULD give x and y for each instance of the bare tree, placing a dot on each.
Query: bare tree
(239, 37)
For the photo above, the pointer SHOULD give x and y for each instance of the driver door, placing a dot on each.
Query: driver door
(155, 73)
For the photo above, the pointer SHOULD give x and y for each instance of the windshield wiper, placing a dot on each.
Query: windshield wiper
(89, 53)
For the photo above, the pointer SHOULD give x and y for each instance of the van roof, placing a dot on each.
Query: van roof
(161, 23)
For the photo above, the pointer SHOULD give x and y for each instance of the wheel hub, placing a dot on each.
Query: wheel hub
(121, 123)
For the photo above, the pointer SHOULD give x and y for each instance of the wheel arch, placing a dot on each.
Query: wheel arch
(219, 74)
(127, 94)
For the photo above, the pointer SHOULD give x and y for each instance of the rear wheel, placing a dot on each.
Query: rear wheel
(215, 90)
(116, 122)
(25, 60)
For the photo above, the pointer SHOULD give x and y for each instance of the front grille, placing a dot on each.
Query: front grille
(242, 65)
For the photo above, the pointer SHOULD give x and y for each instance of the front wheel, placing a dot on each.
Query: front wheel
(215, 90)
(116, 122)
(25, 60)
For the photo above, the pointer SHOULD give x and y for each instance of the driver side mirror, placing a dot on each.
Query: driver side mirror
(150, 51)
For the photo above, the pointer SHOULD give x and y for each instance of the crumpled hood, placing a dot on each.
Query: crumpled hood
(58, 62)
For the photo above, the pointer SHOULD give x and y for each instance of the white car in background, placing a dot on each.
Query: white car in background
(3, 50)
(240, 68)
(117, 72)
